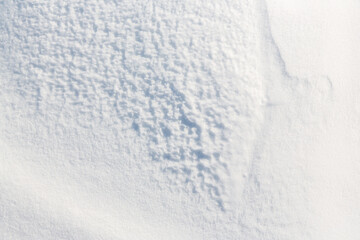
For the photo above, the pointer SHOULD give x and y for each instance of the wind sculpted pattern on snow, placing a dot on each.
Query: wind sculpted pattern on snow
(180, 74)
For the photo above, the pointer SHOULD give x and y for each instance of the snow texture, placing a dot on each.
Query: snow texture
(179, 119)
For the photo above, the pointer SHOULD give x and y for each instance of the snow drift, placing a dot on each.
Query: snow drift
(179, 120)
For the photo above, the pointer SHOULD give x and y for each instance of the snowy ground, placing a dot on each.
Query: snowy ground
(179, 119)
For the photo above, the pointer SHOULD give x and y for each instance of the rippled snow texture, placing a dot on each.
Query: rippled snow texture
(158, 120)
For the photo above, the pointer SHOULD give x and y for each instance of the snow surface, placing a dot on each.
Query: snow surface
(179, 119)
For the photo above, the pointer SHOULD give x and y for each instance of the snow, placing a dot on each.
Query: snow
(179, 119)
